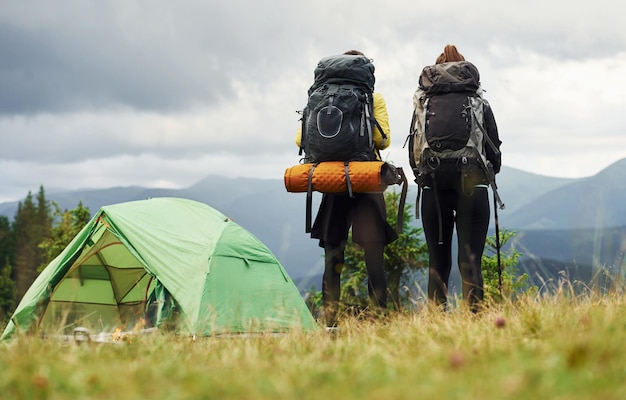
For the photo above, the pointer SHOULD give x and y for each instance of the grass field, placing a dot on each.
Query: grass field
(554, 347)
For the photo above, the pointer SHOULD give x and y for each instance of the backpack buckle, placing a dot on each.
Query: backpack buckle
(433, 162)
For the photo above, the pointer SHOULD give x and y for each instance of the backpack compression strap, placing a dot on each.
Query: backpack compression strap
(490, 173)
(346, 165)
(302, 133)
(370, 118)
(309, 199)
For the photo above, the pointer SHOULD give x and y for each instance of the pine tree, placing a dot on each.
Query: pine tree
(31, 226)
(7, 292)
(68, 225)
(7, 285)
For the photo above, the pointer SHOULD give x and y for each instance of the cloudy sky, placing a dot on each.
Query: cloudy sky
(96, 94)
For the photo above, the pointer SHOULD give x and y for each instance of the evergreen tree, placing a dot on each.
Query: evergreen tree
(7, 292)
(512, 281)
(7, 285)
(67, 225)
(6, 240)
(31, 227)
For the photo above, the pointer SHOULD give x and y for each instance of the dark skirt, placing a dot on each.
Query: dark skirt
(365, 213)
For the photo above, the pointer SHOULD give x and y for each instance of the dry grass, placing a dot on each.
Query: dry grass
(558, 346)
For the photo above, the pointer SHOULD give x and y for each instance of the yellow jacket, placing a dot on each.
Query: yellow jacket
(380, 113)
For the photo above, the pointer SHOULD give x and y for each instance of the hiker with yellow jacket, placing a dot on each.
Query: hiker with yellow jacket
(366, 214)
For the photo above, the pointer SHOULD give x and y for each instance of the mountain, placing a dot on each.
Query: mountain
(558, 220)
(519, 188)
(594, 202)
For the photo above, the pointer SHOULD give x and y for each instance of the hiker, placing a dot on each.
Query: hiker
(453, 183)
(365, 213)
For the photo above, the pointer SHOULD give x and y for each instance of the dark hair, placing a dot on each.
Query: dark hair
(354, 53)
(450, 53)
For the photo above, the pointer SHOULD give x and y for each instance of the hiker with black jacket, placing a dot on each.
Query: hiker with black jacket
(366, 214)
(455, 156)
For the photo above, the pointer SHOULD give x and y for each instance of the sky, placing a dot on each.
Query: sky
(108, 93)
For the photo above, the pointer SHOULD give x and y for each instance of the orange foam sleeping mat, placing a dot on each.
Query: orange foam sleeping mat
(330, 177)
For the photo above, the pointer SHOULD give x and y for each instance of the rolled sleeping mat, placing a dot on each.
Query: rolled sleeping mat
(331, 177)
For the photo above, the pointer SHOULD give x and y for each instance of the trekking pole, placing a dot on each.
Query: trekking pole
(495, 215)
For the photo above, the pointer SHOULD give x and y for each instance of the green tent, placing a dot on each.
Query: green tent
(162, 262)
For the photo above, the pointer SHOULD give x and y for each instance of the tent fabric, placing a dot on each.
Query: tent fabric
(135, 262)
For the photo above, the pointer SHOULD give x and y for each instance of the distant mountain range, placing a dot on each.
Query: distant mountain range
(560, 222)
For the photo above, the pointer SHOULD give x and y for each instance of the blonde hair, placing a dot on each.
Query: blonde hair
(450, 53)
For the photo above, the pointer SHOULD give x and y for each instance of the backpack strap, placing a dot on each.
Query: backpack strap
(408, 140)
(491, 176)
(346, 165)
(309, 199)
(302, 131)
(485, 134)
(368, 122)
(404, 183)
(380, 129)
(371, 118)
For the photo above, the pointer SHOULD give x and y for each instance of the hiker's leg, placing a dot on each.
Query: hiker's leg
(372, 232)
(439, 253)
(331, 228)
(376, 279)
(369, 219)
(472, 227)
(331, 289)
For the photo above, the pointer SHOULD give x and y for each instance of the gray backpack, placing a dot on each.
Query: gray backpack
(447, 136)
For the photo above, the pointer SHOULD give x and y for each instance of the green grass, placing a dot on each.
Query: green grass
(555, 347)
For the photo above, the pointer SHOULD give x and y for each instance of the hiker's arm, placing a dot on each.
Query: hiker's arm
(299, 136)
(492, 131)
(380, 113)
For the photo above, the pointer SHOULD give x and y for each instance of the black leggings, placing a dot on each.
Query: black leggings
(366, 214)
(376, 280)
(470, 214)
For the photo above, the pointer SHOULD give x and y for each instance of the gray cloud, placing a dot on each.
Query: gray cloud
(156, 88)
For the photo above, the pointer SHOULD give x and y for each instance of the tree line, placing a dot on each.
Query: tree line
(37, 234)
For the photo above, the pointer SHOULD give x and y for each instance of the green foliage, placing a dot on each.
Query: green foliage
(7, 284)
(68, 225)
(7, 242)
(512, 282)
(7, 291)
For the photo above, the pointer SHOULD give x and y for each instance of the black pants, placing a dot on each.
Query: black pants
(470, 213)
(366, 214)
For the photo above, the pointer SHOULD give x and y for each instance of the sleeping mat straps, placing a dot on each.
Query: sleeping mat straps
(346, 165)
(309, 199)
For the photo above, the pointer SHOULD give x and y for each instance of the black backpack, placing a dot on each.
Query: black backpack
(338, 117)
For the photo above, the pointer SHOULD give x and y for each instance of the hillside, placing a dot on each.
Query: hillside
(519, 188)
(595, 202)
